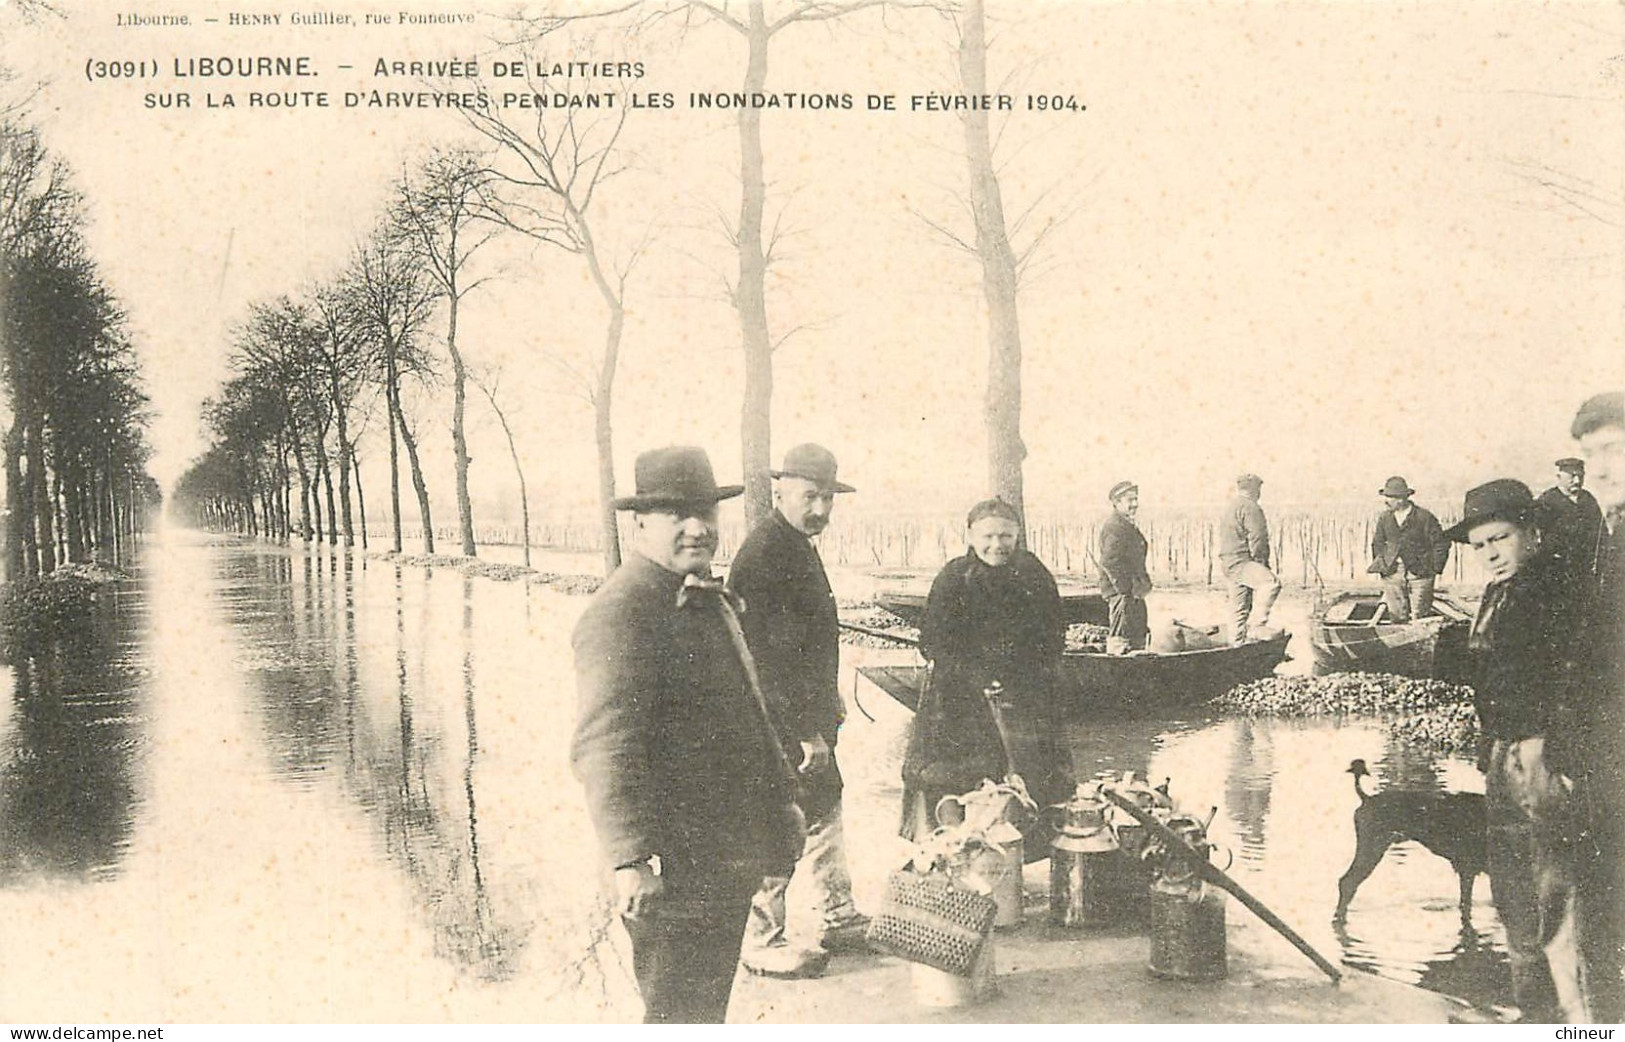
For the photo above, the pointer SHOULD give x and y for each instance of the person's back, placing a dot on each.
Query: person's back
(1243, 533)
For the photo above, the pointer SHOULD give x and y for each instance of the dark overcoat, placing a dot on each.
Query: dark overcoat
(1574, 530)
(1419, 544)
(1123, 551)
(793, 630)
(672, 749)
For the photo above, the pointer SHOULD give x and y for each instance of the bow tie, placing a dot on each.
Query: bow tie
(698, 590)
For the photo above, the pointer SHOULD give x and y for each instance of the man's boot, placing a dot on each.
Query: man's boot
(767, 952)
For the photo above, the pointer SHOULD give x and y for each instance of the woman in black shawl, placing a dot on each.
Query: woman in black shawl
(993, 616)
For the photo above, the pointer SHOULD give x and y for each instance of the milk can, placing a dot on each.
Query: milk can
(1136, 874)
(991, 812)
(1187, 915)
(1086, 866)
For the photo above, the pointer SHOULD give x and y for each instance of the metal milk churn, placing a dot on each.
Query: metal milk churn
(1187, 915)
(1136, 873)
(1086, 866)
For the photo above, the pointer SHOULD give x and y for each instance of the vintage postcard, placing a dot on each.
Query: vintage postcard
(1170, 378)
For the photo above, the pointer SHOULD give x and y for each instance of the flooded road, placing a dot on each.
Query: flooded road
(282, 786)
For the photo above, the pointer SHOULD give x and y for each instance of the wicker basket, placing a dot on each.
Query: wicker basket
(928, 920)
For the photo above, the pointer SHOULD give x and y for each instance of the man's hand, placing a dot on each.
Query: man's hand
(636, 888)
(815, 756)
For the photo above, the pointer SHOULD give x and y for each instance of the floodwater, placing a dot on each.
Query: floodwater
(280, 786)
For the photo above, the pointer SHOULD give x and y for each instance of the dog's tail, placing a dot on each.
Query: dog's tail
(1357, 768)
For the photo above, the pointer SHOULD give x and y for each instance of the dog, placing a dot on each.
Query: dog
(1450, 824)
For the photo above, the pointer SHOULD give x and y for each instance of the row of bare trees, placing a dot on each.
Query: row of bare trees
(74, 446)
(311, 370)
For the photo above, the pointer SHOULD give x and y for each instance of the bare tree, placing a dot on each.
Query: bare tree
(438, 209)
(488, 384)
(545, 179)
(392, 297)
(752, 242)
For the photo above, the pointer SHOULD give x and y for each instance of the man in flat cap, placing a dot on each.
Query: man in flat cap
(687, 786)
(1574, 528)
(1124, 581)
(1598, 769)
(1408, 550)
(791, 625)
(1244, 553)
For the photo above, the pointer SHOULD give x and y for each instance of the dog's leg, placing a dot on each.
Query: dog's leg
(1369, 847)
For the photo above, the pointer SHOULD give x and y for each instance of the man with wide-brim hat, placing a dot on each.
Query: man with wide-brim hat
(1408, 550)
(1124, 580)
(1526, 648)
(1244, 554)
(685, 781)
(791, 625)
(1574, 528)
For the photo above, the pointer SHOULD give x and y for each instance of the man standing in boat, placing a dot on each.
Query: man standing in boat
(1574, 521)
(791, 626)
(1409, 551)
(1124, 582)
(1244, 553)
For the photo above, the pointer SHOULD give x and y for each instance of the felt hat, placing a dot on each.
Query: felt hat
(679, 475)
(1503, 499)
(813, 463)
(1249, 481)
(1397, 487)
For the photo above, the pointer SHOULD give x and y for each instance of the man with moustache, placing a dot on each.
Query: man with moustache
(1124, 581)
(791, 626)
(688, 788)
(1574, 521)
(1408, 550)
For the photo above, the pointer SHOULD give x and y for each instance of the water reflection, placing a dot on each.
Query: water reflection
(71, 748)
(382, 738)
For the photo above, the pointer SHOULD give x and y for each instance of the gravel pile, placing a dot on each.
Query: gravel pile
(873, 617)
(1432, 713)
(1340, 693)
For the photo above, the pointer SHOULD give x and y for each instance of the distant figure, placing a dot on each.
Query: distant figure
(791, 626)
(1599, 772)
(1409, 551)
(1244, 552)
(1124, 582)
(1574, 520)
(686, 784)
(993, 616)
(1526, 647)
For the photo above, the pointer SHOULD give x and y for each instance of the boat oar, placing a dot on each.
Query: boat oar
(1210, 873)
(912, 642)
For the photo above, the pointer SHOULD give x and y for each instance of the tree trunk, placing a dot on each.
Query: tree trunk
(392, 407)
(40, 496)
(519, 472)
(750, 298)
(344, 465)
(66, 491)
(360, 496)
(459, 443)
(325, 465)
(15, 514)
(1002, 404)
(418, 486)
(604, 398)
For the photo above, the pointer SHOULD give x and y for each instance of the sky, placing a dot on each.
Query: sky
(1325, 242)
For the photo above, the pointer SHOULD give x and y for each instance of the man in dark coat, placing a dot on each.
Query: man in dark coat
(791, 625)
(1124, 582)
(1244, 553)
(1409, 550)
(685, 782)
(1598, 771)
(1574, 529)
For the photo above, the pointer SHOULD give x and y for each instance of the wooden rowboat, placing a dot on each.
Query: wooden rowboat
(909, 605)
(1144, 682)
(1352, 634)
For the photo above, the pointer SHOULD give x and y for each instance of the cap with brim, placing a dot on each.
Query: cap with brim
(677, 476)
(1249, 481)
(1504, 499)
(813, 463)
(1397, 487)
(1572, 464)
(1122, 488)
